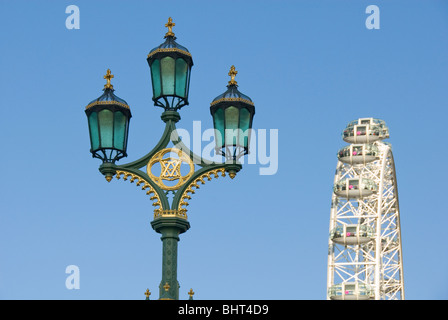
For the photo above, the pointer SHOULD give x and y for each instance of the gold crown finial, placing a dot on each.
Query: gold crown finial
(147, 293)
(166, 286)
(108, 76)
(191, 292)
(170, 26)
(232, 74)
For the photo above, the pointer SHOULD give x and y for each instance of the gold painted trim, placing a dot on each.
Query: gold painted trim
(169, 50)
(185, 196)
(170, 26)
(232, 73)
(107, 102)
(108, 77)
(167, 172)
(171, 213)
(146, 185)
(232, 100)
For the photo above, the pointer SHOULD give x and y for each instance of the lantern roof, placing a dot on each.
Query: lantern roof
(170, 45)
(108, 97)
(232, 93)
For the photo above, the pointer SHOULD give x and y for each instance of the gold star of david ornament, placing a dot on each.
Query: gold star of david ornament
(170, 168)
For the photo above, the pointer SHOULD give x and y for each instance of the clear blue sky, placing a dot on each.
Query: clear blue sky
(309, 66)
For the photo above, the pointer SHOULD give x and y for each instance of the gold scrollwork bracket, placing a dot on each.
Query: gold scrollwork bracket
(145, 186)
(195, 184)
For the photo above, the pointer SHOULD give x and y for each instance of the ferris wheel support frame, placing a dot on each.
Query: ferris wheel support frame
(376, 263)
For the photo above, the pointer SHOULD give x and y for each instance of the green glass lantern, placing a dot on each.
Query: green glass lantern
(108, 118)
(232, 113)
(170, 65)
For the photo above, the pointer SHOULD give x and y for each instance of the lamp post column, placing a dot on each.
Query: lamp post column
(170, 228)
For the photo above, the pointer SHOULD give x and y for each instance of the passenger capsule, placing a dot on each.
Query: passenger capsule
(352, 234)
(358, 153)
(365, 130)
(355, 188)
(351, 291)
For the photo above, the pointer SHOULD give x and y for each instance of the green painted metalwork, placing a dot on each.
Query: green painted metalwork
(169, 227)
(108, 117)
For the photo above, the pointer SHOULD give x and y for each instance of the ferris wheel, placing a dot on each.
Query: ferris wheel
(364, 251)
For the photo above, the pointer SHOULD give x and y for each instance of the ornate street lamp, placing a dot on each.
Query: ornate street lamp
(159, 171)
(170, 65)
(232, 113)
(108, 118)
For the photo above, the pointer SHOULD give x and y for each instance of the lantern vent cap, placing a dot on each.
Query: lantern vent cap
(108, 97)
(170, 45)
(232, 93)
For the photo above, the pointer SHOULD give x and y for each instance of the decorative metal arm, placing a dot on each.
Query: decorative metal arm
(154, 185)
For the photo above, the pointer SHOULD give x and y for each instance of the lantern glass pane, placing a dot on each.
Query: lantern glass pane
(155, 74)
(188, 82)
(244, 126)
(168, 68)
(106, 120)
(119, 130)
(181, 77)
(232, 121)
(126, 134)
(218, 121)
(93, 127)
